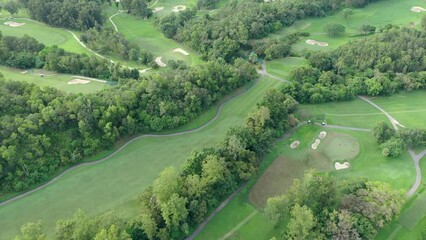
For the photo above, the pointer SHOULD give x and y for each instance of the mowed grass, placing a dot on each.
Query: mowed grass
(408, 108)
(144, 34)
(51, 79)
(377, 14)
(170, 4)
(44, 34)
(282, 67)
(116, 183)
(355, 113)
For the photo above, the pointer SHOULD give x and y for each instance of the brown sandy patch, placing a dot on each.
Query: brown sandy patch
(314, 145)
(160, 62)
(314, 42)
(78, 81)
(294, 144)
(14, 24)
(322, 135)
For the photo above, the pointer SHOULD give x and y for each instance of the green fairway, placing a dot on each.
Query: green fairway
(377, 14)
(355, 113)
(115, 184)
(143, 33)
(51, 79)
(282, 67)
(44, 34)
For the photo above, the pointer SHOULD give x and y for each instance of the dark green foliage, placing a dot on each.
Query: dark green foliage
(80, 15)
(138, 8)
(381, 65)
(367, 29)
(383, 132)
(392, 147)
(323, 208)
(206, 4)
(44, 130)
(334, 29)
(12, 7)
(179, 201)
(108, 41)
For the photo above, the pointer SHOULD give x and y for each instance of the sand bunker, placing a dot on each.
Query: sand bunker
(417, 9)
(159, 62)
(14, 24)
(295, 144)
(315, 144)
(322, 135)
(144, 70)
(179, 8)
(313, 42)
(24, 72)
(180, 50)
(78, 81)
(157, 9)
(339, 166)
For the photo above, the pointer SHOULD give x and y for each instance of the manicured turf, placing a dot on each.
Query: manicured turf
(51, 79)
(116, 183)
(44, 34)
(377, 14)
(143, 33)
(282, 67)
(169, 4)
(355, 113)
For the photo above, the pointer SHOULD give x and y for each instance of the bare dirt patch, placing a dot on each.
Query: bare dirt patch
(314, 42)
(14, 24)
(322, 134)
(417, 9)
(314, 145)
(294, 144)
(340, 166)
(160, 62)
(180, 50)
(78, 81)
(157, 9)
(179, 8)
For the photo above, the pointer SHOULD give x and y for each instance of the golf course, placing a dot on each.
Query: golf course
(332, 137)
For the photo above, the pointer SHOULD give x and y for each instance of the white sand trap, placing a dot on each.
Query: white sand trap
(313, 42)
(157, 9)
(179, 8)
(78, 81)
(180, 50)
(315, 144)
(417, 9)
(144, 70)
(339, 166)
(24, 72)
(14, 24)
(295, 144)
(322, 134)
(159, 62)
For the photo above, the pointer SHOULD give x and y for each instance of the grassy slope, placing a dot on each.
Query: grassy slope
(58, 81)
(114, 184)
(282, 67)
(376, 14)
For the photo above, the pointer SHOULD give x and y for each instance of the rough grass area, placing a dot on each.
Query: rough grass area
(116, 183)
(50, 79)
(283, 66)
(377, 14)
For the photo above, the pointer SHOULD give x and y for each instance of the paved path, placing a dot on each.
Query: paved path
(414, 157)
(265, 72)
(216, 116)
(244, 221)
(113, 23)
(344, 127)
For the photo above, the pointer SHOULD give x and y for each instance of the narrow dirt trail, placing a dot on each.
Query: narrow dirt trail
(236, 228)
(415, 157)
(112, 22)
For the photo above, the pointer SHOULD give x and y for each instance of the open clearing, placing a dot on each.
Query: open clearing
(282, 67)
(51, 79)
(98, 192)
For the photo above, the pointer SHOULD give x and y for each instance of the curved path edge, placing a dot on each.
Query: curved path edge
(216, 116)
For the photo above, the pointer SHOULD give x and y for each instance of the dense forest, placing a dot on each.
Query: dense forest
(320, 207)
(227, 32)
(179, 200)
(42, 130)
(79, 15)
(386, 63)
(26, 53)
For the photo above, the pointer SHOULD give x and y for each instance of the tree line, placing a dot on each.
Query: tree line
(26, 52)
(320, 207)
(43, 130)
(179, 200)
(228, 32)
(384, 64)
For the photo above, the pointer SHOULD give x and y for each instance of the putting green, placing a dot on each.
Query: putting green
(116, 183)
(51, 79)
